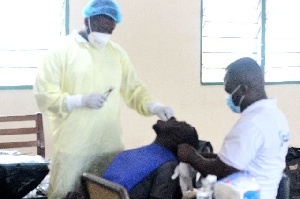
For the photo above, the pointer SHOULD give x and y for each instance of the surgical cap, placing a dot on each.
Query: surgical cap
(105, 7)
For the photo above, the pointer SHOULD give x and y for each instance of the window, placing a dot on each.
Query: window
(29, 27)
(266, 31)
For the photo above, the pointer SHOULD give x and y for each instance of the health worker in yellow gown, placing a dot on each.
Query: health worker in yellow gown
(79, 86)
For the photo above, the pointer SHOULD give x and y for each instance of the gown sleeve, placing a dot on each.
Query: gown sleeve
(133, 91)
(47, 88)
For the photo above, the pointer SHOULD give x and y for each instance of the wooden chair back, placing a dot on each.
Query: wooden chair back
(100, 188)
(12, 125)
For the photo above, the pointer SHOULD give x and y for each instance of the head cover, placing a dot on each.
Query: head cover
(105, 7)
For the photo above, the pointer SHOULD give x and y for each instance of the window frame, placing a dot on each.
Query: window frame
(262, 50)
(30, 87)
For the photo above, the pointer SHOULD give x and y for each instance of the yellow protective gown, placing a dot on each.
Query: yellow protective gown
(84, 135)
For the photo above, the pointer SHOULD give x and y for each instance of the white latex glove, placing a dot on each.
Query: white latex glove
(94, 101)
(184, 172)
(163, 112)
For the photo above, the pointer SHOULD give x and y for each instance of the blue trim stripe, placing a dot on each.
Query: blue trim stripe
(23, 87)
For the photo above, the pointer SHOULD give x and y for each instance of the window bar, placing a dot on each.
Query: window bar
(263, 34)
(201, 36)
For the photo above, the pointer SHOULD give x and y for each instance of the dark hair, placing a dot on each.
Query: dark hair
(190, 135)
(177, 133)
(246, 71)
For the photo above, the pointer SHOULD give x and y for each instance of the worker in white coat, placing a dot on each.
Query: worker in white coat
(79, 86)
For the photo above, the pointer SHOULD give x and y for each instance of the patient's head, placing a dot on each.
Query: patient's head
(171, 133)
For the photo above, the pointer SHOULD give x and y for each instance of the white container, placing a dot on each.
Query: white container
(206, 191)
(202, 194)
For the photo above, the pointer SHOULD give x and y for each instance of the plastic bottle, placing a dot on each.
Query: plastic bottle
(206, 190)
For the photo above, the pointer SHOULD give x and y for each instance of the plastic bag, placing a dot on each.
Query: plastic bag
(292, 170)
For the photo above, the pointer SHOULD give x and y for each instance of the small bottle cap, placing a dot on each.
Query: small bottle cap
(211, 178)
(202, 194)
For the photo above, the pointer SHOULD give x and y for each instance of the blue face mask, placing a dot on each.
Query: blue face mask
(231, 105)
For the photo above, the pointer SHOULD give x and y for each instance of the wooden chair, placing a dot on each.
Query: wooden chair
(100, 188)
(13, 125)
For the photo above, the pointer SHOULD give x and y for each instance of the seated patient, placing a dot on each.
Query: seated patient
(146, 171)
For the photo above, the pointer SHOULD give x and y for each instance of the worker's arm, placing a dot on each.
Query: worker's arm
(209, 155)
(204, 165)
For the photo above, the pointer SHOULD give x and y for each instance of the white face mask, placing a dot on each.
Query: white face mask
(98, 39)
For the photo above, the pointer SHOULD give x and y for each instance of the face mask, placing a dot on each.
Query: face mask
(231, 105)
(98, 39)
